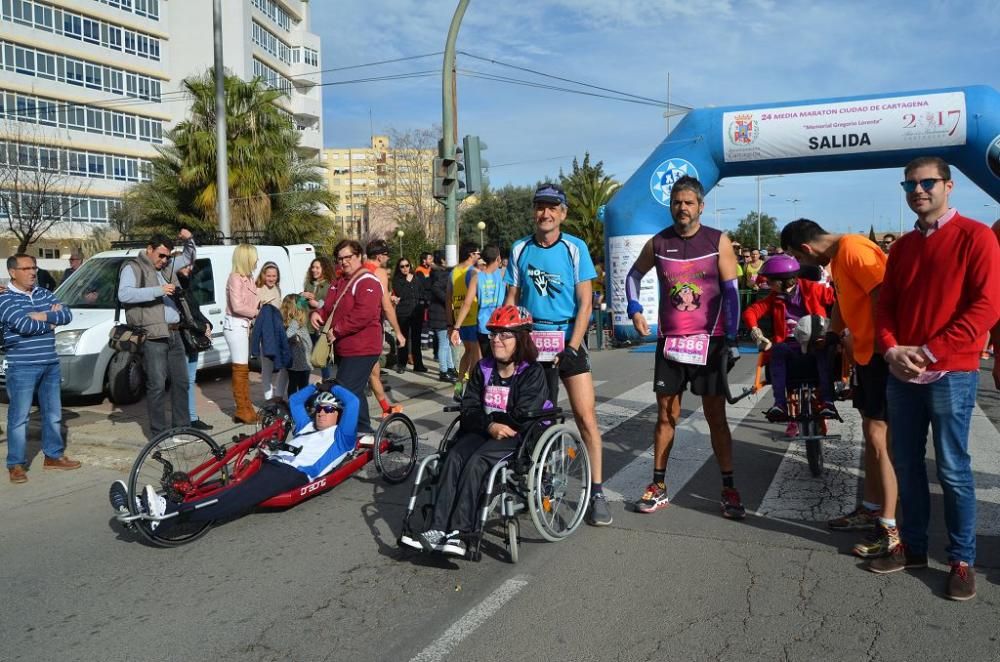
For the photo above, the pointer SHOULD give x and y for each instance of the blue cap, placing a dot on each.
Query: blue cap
(549, 193)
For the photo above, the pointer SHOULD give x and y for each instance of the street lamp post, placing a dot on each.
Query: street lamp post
(721, 211)
(759, 179)
(795, 206)
(482, 226)
(400, 233)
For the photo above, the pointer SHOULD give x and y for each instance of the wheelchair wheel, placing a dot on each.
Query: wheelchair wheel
(178, 464)
(450, 432)
(513, 533)
(395, 448)
(558, 483)
(814, 448)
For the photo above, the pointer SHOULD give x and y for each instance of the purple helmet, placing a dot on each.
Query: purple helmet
(780, 266)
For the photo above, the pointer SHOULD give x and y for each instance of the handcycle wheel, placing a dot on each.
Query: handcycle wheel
(558, 483)
(450, 432)
(814, 448)
(177, 463)
(513, 533)
(395, 448)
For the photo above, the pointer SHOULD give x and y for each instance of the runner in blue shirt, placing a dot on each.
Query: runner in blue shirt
(549, 273)
(486, 290)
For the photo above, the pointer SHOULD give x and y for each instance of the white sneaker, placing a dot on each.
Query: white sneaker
(431, 540)
(366, 440)
(411, 542)
(154, 505)
(453, 545)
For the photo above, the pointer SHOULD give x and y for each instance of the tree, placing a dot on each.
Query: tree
(404, 181)
(271, 191)
(37, 190)
(587, 188)
(746, 232)
(507, 213)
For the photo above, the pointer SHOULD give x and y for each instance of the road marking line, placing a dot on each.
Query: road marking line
(692, 447)
(475, 617)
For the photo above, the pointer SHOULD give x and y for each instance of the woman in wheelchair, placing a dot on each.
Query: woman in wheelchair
(325, 430)
(500, 392)
(791, 299)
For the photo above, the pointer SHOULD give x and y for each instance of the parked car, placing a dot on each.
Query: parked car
(90, 367)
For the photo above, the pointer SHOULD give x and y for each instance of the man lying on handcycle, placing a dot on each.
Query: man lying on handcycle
(319, 443)
(791, 299)
(501, 391)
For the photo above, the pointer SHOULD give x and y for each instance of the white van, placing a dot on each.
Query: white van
(90, 367)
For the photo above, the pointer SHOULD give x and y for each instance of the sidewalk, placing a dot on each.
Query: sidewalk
(124, 428)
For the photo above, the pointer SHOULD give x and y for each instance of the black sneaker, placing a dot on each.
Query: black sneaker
(828, 410)
(454, 545)
(961, 582)
(447, 378)
(118, 496)
(777, 413)
(199, 424)
(400, 368)
(421, 369)
(598, 513)
(732, 506)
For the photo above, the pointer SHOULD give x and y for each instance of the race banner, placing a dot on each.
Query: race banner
(846, 127)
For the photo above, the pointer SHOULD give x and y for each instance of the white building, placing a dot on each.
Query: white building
(94, 85)
(266, 38)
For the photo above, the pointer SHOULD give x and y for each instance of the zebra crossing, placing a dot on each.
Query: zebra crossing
(793, 493)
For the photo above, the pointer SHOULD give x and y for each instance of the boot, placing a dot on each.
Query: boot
(245, 412)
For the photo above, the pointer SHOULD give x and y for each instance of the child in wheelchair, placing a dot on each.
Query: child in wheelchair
(501, 391)
(325, 420)
(793, 304)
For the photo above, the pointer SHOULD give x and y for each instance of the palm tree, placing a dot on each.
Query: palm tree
(588, 188)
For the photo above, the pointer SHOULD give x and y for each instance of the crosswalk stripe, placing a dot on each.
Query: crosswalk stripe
(692, 447)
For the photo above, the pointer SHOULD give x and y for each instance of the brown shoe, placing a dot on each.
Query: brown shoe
(18, 474)
(961, 582)
(63, 463)
(898, 559)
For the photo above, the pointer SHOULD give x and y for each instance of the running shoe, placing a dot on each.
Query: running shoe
(430, 541)
(366, 440)
(859, 519)
(829, 410)
(411, 541)
(792, 429)
(118, 496)
(453, 545)
(732, 506)
(654, 498)
(154, 505)
(880, 543)
(598, 513)
(777, 413)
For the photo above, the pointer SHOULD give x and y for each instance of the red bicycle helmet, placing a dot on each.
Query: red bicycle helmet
(510, 318)
(780, 266)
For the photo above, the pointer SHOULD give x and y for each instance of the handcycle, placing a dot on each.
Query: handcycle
(548, 475)
(185, 465)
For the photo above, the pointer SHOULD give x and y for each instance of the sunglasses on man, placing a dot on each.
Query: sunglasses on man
(910, 185)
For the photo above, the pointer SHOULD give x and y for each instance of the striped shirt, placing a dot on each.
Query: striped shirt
(28, 341)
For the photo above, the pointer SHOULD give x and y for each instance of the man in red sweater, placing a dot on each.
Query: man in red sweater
(932, 341)
(995, 333)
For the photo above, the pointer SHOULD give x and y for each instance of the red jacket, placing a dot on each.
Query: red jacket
(816, 297)
(942, 291)
(357, 321)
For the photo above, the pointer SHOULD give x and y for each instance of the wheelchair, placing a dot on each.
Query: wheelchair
(548, 475)
(803, 394)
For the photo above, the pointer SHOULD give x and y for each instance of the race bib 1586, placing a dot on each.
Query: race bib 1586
(686, 349)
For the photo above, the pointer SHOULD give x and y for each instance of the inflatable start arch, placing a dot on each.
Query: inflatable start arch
(961, 125)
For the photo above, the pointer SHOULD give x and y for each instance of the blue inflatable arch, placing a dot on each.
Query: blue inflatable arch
(961, 125)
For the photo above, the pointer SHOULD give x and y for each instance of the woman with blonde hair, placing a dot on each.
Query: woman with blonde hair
(241, 309)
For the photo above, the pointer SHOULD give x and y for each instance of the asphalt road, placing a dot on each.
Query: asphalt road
(325, 580)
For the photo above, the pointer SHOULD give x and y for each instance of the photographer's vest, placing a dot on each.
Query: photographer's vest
(149, 315)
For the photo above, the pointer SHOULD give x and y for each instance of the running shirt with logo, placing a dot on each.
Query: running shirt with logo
(460, 277)
(489, 296)
(546, 277)
(690, 291)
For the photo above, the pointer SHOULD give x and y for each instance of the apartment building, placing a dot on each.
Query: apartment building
(379, 185)
(266, 38)
(89, 88)
(81, 107)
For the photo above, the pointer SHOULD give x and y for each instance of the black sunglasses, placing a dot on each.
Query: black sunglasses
(910, 185)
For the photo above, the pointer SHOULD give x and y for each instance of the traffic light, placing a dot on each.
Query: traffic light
(475, 166)
(446, 177)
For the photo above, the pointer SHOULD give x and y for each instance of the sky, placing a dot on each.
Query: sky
(717, 53)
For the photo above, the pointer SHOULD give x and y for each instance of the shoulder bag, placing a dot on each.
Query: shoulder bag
(126, 337)
(322, 352)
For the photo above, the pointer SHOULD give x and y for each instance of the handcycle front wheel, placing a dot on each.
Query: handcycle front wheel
(558, 483)
(395, 448)
(814, 448)
(177, 463)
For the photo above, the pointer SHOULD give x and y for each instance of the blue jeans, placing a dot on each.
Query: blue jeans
(946, 406)
(445, 358)
(192, 374)
(22, 382)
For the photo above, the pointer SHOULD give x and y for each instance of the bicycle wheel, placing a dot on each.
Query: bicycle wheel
(395, 448)
(180, 464)
(558, 483)
(814, 448)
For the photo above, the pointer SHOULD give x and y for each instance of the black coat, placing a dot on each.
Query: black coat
(409, 292)
(437, 315)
